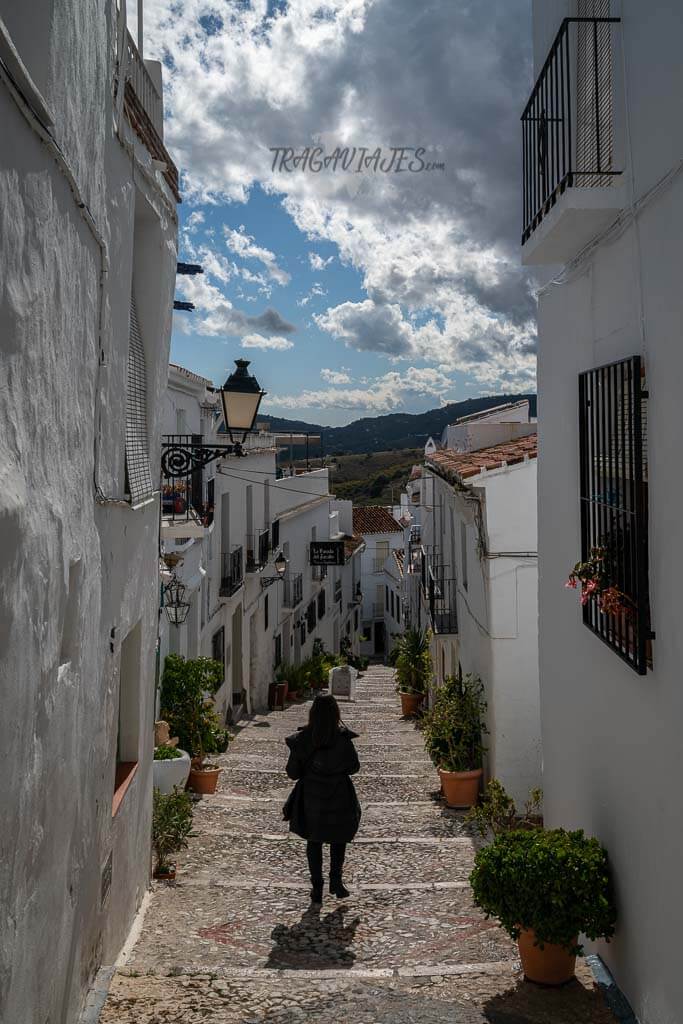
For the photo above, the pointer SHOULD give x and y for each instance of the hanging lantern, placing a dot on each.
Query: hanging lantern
(176, 606)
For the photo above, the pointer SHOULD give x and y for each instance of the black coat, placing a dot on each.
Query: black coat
(324, 806)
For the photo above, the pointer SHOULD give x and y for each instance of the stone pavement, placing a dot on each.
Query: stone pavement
(235, 938)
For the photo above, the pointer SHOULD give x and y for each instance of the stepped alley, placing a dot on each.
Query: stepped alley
(235, 938)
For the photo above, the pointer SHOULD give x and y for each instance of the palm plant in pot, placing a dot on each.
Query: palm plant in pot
(187, 689)
(546, 887)
(171, 827)
(413, 661)
(453, 732)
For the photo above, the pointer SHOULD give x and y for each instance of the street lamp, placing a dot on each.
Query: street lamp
(280, 564)
(175, 604)
(241, 397)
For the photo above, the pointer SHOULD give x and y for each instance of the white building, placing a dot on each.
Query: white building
(228, 523)
(383, 535)
(474, 584)
(609, 365)
(491, 426)
(87, 266)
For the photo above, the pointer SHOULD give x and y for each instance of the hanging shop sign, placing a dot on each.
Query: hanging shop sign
(327, 552)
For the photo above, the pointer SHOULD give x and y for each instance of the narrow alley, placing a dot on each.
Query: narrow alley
(235, 939)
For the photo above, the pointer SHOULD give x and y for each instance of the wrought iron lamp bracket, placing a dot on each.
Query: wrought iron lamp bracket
(179, 460)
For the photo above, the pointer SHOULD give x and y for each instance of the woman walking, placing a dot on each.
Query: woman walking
(323, 806)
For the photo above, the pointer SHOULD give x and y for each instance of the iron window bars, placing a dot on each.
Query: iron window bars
(232, 575)
(258, 546)
(294, 589)
(613, 502)
(442, 603)
(568, 126)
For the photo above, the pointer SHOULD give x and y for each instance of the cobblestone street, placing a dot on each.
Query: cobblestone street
(236, 940)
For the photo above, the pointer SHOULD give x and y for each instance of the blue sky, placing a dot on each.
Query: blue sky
(352, 293)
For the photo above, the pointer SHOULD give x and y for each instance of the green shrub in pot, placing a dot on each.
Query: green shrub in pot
(413, 660)
(453, 728)
(554, 882)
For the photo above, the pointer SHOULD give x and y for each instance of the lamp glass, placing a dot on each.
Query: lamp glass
(241, 397)
(280, 565)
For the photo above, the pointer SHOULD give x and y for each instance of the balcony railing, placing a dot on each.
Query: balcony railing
(294, 590)
(232, 575)
(144, 108)
(318, 572)
(442, 604)
(568, 122)
(185, 501)
(258, 546)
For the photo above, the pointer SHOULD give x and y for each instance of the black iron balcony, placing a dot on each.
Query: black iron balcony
(318, 572)
(232, 575)
(442, 604)
(294, 589)
(568, 122)
(258, 546)
(185, 498)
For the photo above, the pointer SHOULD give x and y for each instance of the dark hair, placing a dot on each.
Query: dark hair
(324, 720)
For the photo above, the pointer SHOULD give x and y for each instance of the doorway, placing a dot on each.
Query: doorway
(380, 637)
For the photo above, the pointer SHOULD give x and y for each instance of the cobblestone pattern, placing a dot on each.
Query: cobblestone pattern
(235, 940)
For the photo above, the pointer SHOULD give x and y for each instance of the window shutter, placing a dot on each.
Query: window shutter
(137, 446)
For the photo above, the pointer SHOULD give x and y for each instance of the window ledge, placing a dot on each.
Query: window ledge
(125, 773)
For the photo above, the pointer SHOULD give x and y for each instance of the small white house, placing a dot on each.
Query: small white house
(382, 535)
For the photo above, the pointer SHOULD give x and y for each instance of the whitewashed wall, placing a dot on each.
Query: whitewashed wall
(612, 751)
(78, 577)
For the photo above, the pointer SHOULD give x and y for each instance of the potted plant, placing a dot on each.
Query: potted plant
(413, 662)
(453, 731)
(171, 827)
(282, 679)
(546, 888)
(186, 704)
(595, 577)
(171, 768)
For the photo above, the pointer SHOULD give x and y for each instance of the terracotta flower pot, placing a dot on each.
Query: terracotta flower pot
(410, 704)
(204, 780)
(460, 789)
(165, 876)
(552, 965)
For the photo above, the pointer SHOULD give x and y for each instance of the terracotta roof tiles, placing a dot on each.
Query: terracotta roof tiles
(449, 463)
(374, 519)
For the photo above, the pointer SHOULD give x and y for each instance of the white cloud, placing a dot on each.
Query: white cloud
(317, 262)
(243, 245)
(215, 314)
(437, 252)
(382, 394)
(317, 289)
(258, 341)
(335, 376)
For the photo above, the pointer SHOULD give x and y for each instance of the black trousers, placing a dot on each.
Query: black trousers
(314, 854)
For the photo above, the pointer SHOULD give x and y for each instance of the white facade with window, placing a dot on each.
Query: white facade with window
(473, 580)
(611, 736)
(87, 231)
(382, 535)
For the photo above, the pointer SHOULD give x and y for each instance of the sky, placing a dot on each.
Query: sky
(350, 172)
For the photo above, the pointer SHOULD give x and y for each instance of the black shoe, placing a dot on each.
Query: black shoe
(317, 892)
(338, 889)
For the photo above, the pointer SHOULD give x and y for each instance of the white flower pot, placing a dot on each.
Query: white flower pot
(174, 772)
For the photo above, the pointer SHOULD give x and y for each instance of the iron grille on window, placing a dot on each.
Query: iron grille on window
(294, 589)
(278, 650)
(568, 122)
(138, 475)
(321, 604)
(275, 534)
(232, 574)
(218, 645)
(613, 492)
(310, 617)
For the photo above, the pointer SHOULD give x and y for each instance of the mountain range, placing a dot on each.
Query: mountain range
(393, 430)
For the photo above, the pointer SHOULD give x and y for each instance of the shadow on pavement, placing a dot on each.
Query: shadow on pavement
(315, 942)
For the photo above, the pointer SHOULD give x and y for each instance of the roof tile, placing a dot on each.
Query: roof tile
(449, 463)
(374, 519)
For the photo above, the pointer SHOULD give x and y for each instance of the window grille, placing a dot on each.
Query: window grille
(138, 475)
(613, 500)
(278, 650)
(218, 645)
(321, 604)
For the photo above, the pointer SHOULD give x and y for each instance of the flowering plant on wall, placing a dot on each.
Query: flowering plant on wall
(593, 576)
